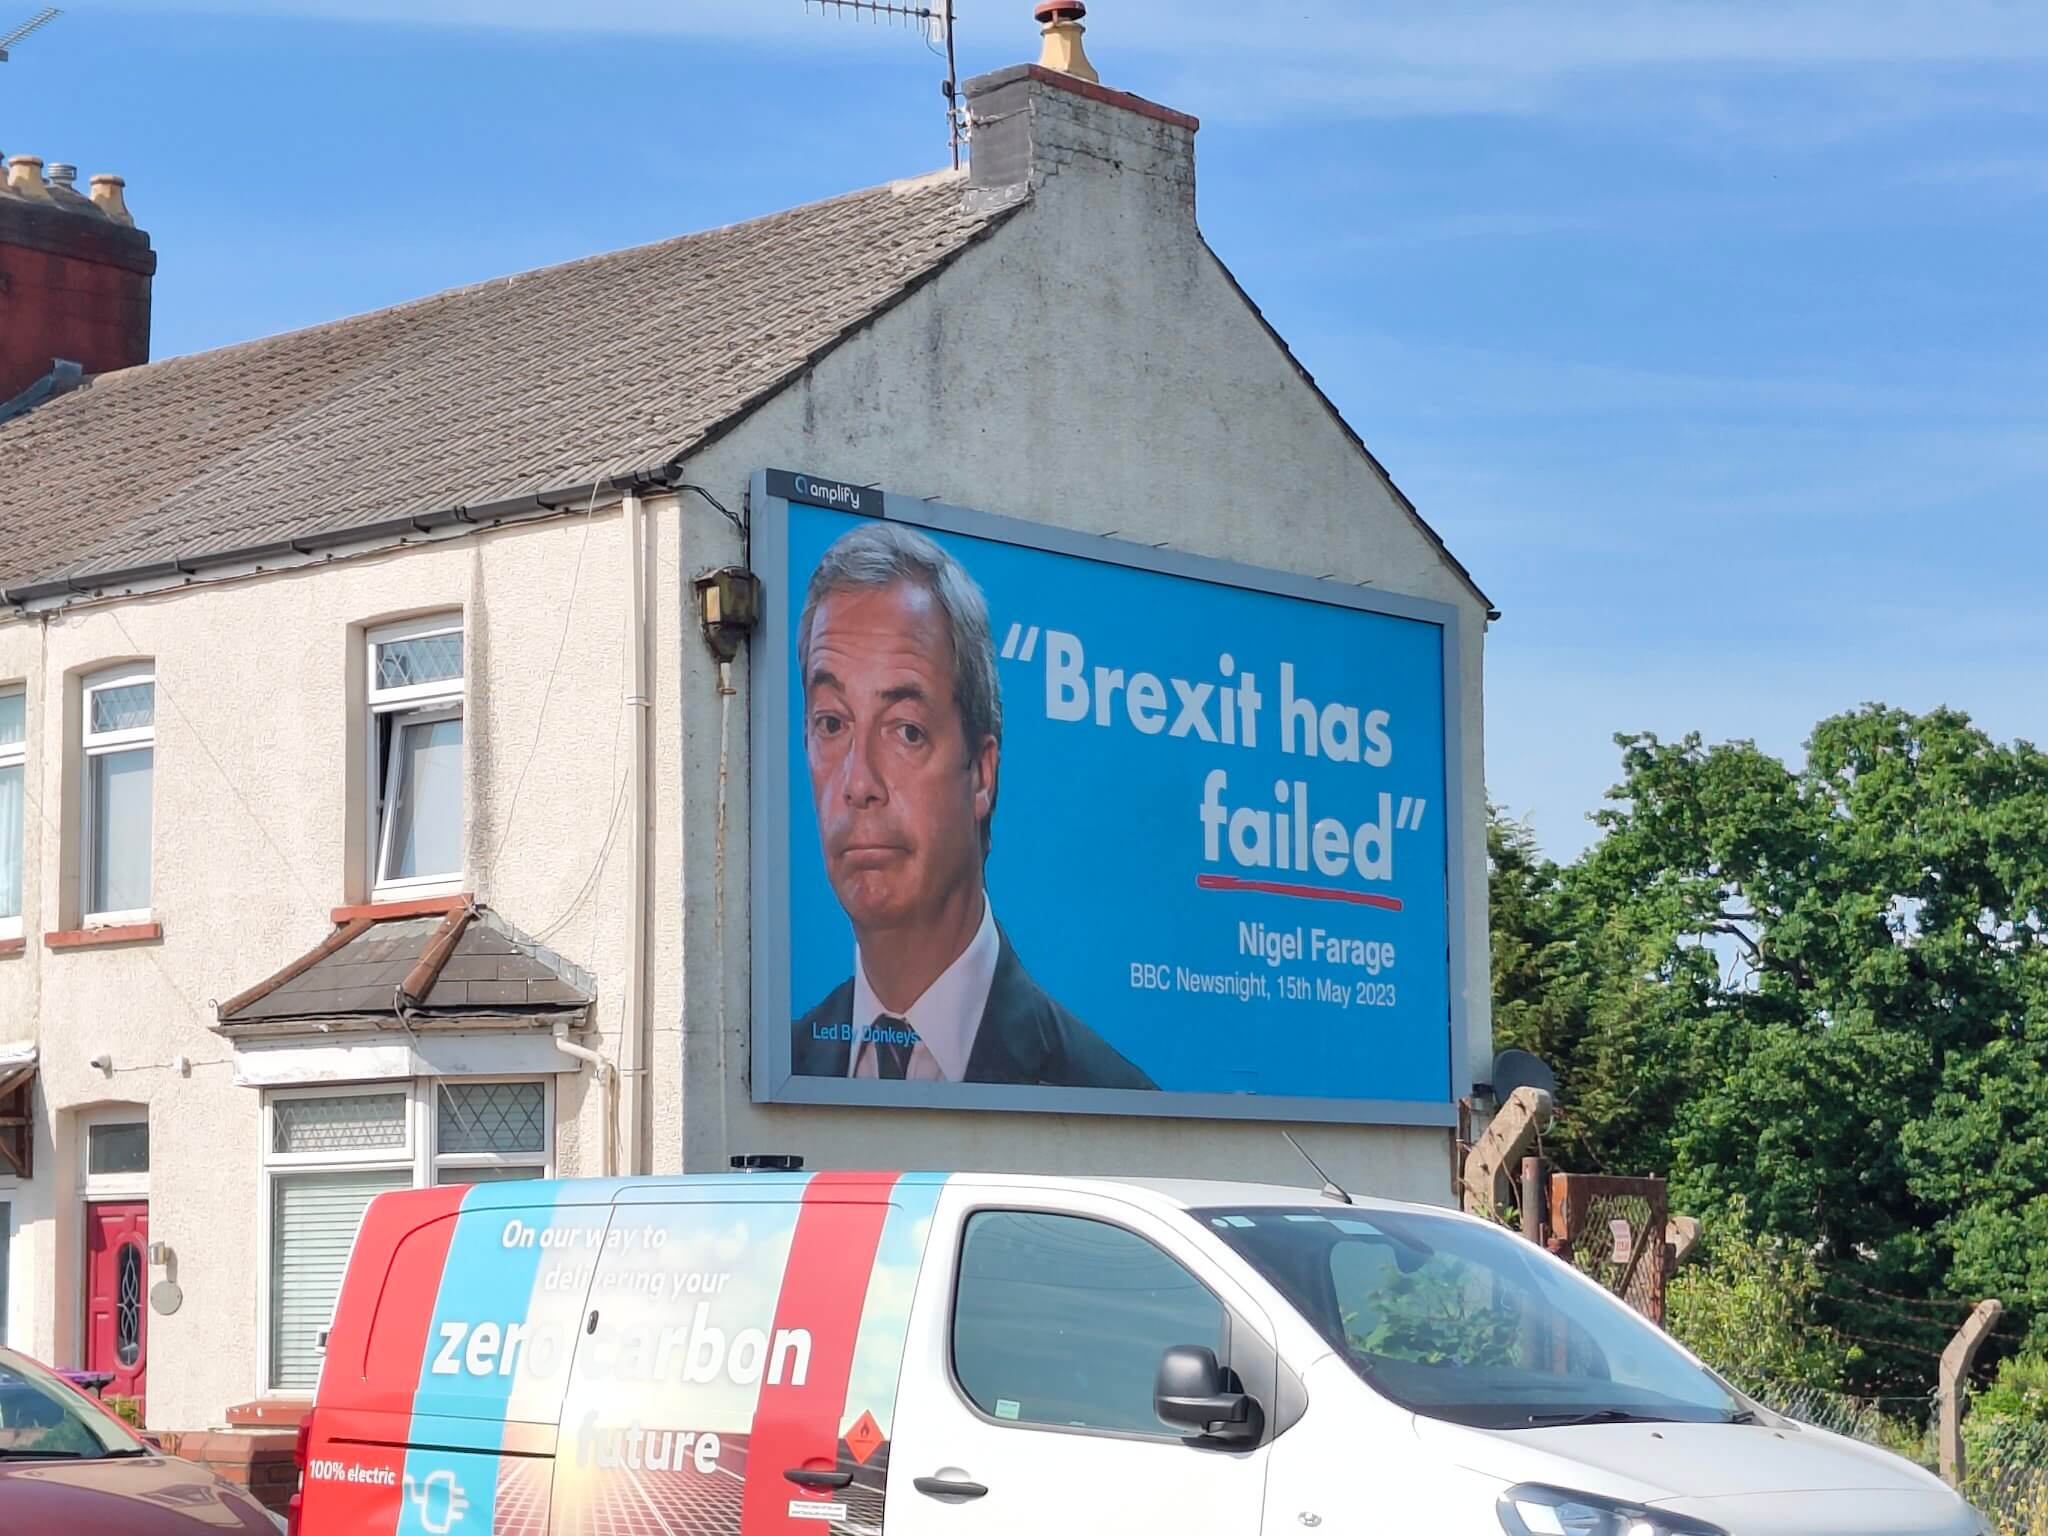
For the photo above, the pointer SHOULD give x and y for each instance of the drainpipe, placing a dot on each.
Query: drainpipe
(633, 1051)
(607, 1087)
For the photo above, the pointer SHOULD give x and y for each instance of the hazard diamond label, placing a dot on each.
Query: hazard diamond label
(864, 1439)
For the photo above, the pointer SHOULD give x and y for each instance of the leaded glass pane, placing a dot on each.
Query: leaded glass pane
(130, 707)
(424, 659)
(343, 1122)
(13, 718)
(493, 1117)
(128, 1305)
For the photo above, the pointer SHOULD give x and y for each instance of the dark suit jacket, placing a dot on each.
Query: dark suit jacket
(1025, 1037)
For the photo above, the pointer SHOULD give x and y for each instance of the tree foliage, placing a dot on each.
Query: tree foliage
(1817, 998)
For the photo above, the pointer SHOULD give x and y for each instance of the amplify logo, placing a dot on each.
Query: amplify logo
(835, 495)
(440, 1499)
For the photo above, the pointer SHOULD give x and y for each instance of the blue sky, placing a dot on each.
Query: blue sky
(1712, 337)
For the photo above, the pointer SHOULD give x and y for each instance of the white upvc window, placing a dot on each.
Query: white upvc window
(328, 1151)
(416, 764)
(13, 810)
(119, 778)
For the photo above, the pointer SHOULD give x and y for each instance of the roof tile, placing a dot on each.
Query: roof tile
(525, 384)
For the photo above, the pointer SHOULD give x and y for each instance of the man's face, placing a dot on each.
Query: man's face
(900, 799)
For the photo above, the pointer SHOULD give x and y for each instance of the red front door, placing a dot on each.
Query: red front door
(116, 1287)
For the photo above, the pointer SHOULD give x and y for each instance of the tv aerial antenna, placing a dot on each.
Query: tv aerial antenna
(41, 19)
(935, 21)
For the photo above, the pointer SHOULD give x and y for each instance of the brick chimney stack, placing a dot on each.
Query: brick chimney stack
(75, 276)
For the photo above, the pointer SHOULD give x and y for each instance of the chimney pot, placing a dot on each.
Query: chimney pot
(62, 175)
(106, 196)
(1060, 25)
(25, 177)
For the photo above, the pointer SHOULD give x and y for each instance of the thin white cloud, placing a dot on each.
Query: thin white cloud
(1366, 57)
(2026, 175)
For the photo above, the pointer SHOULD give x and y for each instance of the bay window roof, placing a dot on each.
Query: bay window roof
(465, 966)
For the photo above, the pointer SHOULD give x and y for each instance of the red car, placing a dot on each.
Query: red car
(67, 1465)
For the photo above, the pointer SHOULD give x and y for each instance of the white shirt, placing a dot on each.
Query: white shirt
(946, 1018)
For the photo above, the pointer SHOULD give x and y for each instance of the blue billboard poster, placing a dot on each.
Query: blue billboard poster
(1047, 821)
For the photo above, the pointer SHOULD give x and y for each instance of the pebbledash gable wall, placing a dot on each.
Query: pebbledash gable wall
(249, 853)
(1094, 366)
(1088, 363)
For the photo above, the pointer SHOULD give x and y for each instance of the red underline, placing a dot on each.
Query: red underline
(1312, 892)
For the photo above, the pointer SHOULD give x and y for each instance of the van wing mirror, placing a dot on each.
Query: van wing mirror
(1197, 1394)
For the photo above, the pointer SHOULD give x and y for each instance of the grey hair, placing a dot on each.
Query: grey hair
(879, 554)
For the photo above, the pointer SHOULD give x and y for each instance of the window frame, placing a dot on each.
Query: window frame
(392, 710)
(8, 1196)
(93, 744)
(1233, 1323)
(420, 1159)
(14, 754)
(96, 1187)
(455, 1162)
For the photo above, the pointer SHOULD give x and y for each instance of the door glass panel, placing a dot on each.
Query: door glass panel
(117, 1148)
(1062, 1320)
(128, 1304)
(121, 792)
(426, 800)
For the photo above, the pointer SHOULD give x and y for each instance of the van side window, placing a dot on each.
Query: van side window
(1062, 1320)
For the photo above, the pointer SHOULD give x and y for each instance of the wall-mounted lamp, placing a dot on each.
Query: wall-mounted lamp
(729, 603)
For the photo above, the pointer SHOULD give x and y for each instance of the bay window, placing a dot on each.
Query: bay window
(119, 787)
(329, 1151)
(416, 769)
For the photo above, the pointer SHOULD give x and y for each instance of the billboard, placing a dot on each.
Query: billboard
(1046, 820)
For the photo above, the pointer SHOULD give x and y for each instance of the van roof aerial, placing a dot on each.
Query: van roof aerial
(1331, 1187)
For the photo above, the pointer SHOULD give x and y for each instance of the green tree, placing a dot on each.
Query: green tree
(1819, 996)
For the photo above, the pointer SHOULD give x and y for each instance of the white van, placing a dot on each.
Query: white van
(987, 1355)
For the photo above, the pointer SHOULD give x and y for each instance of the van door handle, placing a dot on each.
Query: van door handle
(947, 1488)
(804, 1477)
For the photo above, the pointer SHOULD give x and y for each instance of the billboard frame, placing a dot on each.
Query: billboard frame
(771, 1080)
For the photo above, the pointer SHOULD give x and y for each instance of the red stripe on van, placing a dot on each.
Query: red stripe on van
(374, 1355)
(824, 1286)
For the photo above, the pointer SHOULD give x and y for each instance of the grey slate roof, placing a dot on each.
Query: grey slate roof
(539, 382)
(492, 970)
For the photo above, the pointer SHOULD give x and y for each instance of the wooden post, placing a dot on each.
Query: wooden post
(1956, 1361)
(1535, 1183)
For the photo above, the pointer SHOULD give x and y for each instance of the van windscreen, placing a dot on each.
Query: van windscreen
(1461, 1321)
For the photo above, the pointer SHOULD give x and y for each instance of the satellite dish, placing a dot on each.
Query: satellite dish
(1514, 1069)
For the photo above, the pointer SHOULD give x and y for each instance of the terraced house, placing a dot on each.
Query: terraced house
(376, 777)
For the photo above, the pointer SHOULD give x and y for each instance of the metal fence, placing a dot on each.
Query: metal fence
(2006, 1475)
(2006, 1468)
(1613, 1230)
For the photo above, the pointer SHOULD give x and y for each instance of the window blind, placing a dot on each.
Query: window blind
(314, 1217)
